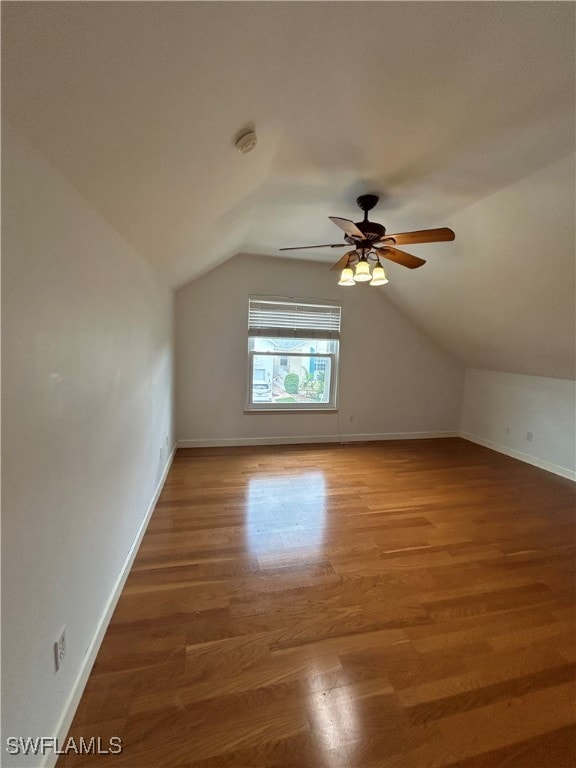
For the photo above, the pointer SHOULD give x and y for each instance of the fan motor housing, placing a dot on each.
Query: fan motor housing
(371, 231)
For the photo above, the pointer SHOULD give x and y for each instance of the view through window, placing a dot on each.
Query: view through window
(293, 353)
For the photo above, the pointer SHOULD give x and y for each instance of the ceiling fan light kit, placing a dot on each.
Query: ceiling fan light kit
(378, 276)
(362, 271)
(372, 243)
(347, 277)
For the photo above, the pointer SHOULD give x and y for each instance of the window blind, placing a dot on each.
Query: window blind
(293, 318)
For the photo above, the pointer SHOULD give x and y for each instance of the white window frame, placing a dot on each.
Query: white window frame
(296, 333)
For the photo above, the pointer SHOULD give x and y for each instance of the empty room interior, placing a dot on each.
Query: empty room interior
(288, 385)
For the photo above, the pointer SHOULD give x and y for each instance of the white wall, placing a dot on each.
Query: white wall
(87, 391)
(495, 402)
(393, 378)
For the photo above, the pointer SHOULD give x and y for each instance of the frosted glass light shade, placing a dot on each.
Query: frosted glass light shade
(362, 273)
(347, 277)
(378, 276)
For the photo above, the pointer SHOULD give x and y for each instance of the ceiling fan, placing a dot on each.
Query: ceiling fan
(370, 243)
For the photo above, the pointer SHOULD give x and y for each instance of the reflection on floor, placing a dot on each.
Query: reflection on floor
(332, 712)
(284, 514)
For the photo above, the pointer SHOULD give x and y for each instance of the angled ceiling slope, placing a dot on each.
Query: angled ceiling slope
(435, 105)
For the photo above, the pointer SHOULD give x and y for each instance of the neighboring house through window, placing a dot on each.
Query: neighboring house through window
(293, 353)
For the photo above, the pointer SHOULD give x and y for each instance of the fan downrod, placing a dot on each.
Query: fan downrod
(367, 202)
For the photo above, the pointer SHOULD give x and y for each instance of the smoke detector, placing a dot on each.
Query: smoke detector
(246, 141)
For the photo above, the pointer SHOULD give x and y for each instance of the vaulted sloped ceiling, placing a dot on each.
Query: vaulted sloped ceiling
(436, 106)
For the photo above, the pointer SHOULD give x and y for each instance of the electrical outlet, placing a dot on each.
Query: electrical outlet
(507, 430)
(529, 436)
(161, 452)
(60, 650)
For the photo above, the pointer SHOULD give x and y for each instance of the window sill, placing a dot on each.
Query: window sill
(250, 411)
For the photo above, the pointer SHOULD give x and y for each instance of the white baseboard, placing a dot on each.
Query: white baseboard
(90, 657)
(311, 439)
(526, 457)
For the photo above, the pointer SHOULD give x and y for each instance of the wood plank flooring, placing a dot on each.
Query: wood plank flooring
(403, 604)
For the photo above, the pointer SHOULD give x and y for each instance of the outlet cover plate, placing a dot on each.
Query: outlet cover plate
(60, 650)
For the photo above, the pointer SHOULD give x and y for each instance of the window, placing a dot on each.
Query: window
(293, 354)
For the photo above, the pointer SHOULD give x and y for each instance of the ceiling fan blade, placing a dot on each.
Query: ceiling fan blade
(305, 247)
(400, 257)
(341, 263)
(443, 234)
(348, 226)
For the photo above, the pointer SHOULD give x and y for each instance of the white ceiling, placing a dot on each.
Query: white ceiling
(433, 105)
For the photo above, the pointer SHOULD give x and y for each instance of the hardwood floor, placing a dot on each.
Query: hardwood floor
(398, 604)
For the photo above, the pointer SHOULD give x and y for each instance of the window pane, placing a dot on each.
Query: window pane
(284, 346)
(293, 353)
(284, 379)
